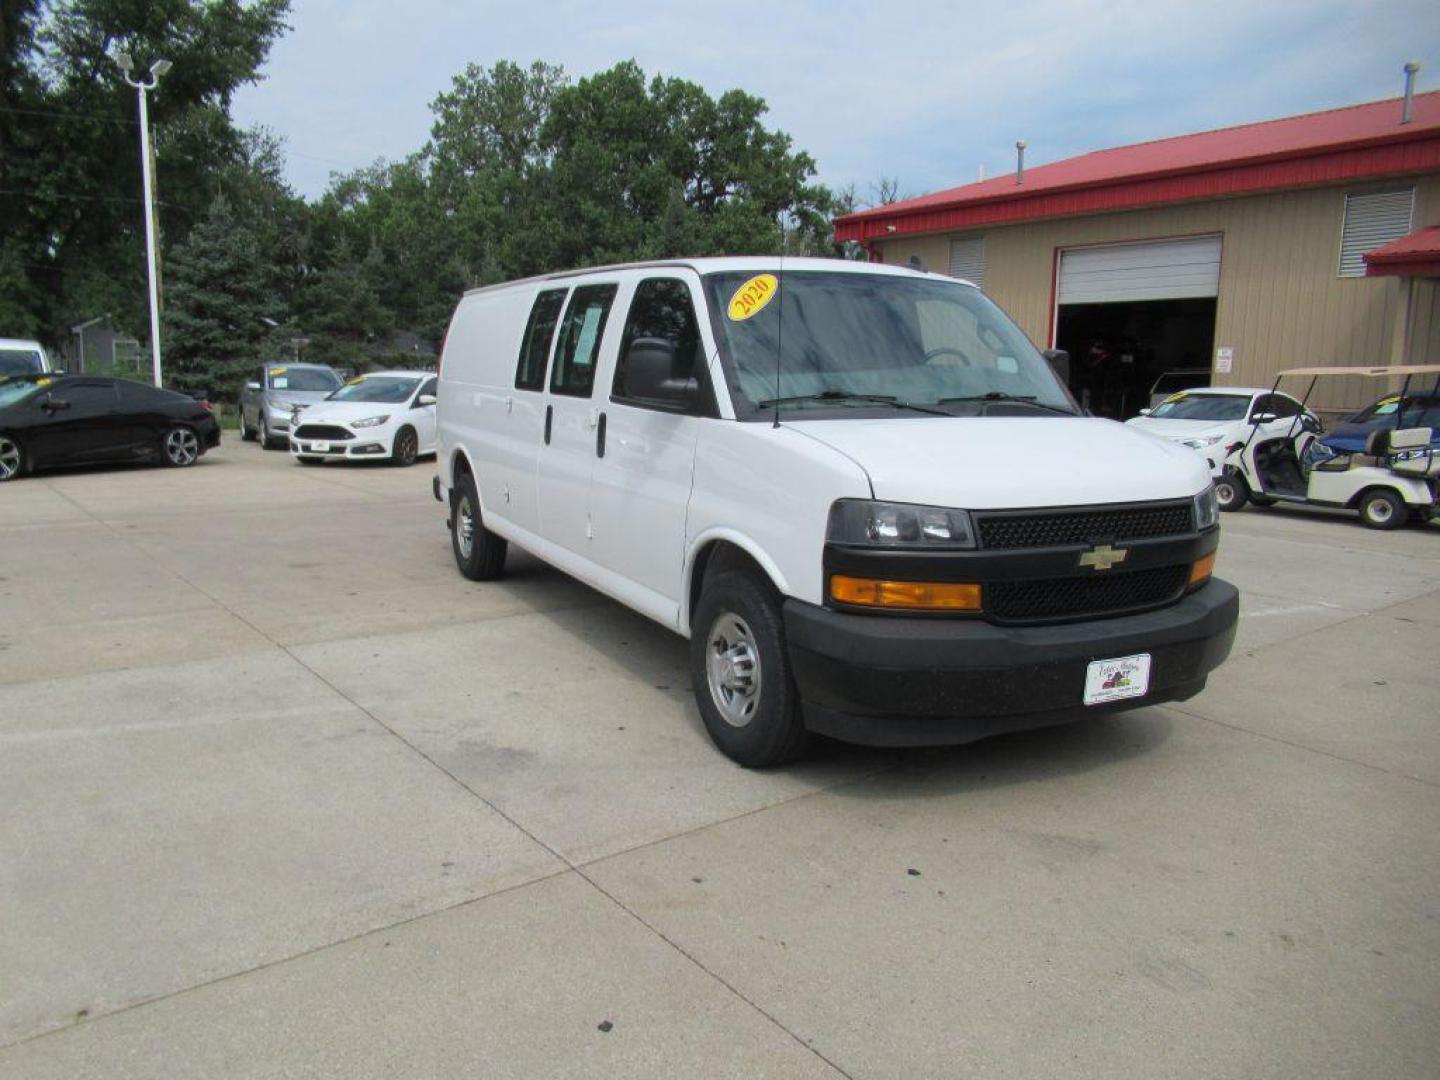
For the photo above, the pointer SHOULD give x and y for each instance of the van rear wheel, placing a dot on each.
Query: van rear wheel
(479, 553)
(741, 672)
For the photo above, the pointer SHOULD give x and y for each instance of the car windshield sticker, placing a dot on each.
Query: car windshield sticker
(585, 341)
(357, 379)
(279, 382)
(1174, 397)
(43, 382)
(278, 370)
(750, 299)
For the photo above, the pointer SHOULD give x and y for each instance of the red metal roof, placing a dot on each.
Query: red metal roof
(1417, 254)
(1316, 148)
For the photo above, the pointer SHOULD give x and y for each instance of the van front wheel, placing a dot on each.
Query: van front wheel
(479, 553)
(741, 672)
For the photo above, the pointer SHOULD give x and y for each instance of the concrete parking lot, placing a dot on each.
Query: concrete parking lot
(282, 795)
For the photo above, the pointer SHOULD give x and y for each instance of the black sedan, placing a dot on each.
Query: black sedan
(52, 421)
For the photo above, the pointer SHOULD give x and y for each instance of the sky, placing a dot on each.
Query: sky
(927, 93)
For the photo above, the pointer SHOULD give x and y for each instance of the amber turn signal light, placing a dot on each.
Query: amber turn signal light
(1201, 571)
(906, 595)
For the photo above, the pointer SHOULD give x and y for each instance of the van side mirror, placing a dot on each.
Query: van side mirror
(54, 404)
(425, 399)
(1143, 412)
(252, 385)
(1059, 360)
(1263, 418)
(650, 376)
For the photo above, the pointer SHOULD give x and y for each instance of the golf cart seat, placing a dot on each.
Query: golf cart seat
(1406, 450)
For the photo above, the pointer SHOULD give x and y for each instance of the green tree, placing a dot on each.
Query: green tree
(339, 307)
(219, 303)
(70, 193)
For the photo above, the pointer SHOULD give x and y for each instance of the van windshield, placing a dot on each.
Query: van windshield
(814, 339)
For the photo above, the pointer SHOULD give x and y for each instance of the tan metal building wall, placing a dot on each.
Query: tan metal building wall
(1281, 301)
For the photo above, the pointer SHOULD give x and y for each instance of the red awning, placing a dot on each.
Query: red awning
(1415, 255)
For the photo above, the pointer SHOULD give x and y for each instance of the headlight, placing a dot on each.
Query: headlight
(882, 524)
(1201, 442)
(1207, 509)
(369, 421)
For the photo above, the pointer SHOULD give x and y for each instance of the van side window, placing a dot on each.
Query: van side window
(535, 346)
(662, 309)
(580, 335)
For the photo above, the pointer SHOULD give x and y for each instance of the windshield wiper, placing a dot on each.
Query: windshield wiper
(845, 395)
(997, 395)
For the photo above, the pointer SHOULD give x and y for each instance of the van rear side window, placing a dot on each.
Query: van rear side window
(535, 348)
(580, 336)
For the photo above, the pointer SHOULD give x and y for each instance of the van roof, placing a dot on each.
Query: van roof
(733, 264)
(18, 343)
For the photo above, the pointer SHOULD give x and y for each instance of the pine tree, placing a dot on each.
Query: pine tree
(216, 304)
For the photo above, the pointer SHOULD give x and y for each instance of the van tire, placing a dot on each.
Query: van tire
(1230, 492)
(739, 618)
(1381, 508)
(479, 553)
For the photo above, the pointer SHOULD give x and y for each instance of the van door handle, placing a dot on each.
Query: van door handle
(600, 437)
(549, 415)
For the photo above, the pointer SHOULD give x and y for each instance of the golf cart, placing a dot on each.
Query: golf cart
(1395, 479)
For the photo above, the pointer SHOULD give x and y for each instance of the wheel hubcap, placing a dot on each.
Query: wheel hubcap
(9, 459)
(182, 446)
(465, 528)
(1225, 493)
(732, 668)
(1380, 510)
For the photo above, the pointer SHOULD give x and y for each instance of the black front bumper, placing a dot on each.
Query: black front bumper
(895, 681)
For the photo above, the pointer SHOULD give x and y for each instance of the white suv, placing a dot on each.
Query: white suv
(837, 480)
(20, 356)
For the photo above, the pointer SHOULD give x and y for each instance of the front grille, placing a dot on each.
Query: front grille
(323, 431)
(1057, 528)
(1077, 597)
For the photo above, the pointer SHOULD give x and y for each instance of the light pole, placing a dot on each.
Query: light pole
(157, 69)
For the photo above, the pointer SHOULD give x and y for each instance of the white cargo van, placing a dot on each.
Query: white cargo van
(858, 490)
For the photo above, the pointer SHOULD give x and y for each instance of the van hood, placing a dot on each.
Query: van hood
(998, 463)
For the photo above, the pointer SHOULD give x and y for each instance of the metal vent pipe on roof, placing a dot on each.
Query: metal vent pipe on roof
(1407, 107)
(1020, 162)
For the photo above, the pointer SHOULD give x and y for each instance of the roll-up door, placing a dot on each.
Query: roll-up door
(1158, 270)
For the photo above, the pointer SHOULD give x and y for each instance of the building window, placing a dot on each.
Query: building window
(967, 259)
(1370, 221)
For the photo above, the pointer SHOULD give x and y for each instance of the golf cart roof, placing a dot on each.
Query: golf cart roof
(1398, 370)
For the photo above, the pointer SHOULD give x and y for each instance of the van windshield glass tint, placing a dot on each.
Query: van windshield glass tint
(1202, 407)
(919, 341)
(19, 361)
(389, 390)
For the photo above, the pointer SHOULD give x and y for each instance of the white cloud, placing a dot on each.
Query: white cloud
(923, 91)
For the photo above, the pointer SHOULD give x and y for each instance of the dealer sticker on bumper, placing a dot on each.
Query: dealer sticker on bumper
(1114, 680)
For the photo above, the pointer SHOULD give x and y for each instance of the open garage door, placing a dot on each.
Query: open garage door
(1130, 313)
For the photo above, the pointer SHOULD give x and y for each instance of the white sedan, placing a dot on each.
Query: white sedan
(384, 415)
(1214, 417)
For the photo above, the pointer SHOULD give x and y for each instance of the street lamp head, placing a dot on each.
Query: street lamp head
(126, 64)
(159, 68)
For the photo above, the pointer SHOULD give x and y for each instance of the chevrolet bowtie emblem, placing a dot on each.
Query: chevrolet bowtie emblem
(1103, 557)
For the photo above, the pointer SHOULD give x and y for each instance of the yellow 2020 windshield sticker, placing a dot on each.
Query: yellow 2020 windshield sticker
(750, 299)
(277, 371)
